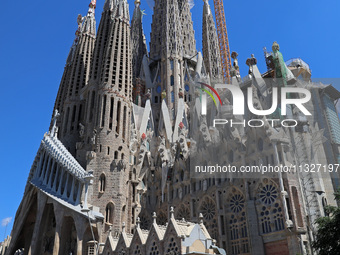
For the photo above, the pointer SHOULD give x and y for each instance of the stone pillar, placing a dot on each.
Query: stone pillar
(81, 225)
(47, 158)
(48, 169)
(79, 246)
(78, 193)
(38, 169)
(49, 184)
(41, 200)
(70, 199)
(54, 187)
(66, 184)
(283, 193)
(61, 181)
(58, 212)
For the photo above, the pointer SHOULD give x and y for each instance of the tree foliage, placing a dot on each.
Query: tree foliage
(327, 238)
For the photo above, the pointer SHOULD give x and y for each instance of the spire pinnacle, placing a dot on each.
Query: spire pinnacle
(88, 22)
(92, 6)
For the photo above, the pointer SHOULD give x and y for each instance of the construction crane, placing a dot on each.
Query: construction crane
(223, 39)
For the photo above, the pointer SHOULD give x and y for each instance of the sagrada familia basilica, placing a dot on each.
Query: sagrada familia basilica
(116, 172)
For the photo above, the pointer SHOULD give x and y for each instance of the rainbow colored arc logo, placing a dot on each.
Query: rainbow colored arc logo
(209, 93)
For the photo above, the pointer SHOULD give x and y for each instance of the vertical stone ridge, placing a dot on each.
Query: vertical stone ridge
(211, 51)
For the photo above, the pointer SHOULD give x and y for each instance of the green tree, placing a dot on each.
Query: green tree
(327, 238)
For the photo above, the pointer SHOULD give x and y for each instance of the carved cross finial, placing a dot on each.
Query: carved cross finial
(54, 127)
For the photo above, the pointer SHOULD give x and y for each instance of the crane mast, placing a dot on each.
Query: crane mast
(223, 39)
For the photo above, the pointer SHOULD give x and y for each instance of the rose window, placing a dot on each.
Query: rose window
(237, 203)
(208, 209)
(183, 213)
(268, 194)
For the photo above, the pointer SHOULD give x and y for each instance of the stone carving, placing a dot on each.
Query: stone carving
(94, 135)
(81, 130)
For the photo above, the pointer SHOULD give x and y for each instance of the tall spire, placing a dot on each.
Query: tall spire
(138, 44)
(188, 33)
(105, 146)
(117, 10)
(166, 36)
(76, 76)
(211, 51)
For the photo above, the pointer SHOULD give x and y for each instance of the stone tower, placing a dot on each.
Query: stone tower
(75, 77)
(172, 46)
(138, 43)
(139, 50)
(105, 141)
(211, 50)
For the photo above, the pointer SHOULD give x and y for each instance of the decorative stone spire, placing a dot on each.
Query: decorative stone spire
(108, 112)
(166, 37)
(89, 23)
(211, 50)
(119, 9)
(172, 52)
(54, 127)
(76, 76)
(188, 33)
(138, 42)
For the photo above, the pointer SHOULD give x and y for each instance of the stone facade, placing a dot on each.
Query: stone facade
(129, 125)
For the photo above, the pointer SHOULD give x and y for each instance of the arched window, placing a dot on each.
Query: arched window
(208, 209)
(102, 183)
(237, 223)
(270, 208)
(109, 211)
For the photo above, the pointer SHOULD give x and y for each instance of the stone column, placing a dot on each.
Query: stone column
(38, 169)
(79, 246)
(78, 193)
(46, 160)
(49, 184)
(58, 212)
(81, 225)
(66, 184)
(61, 181)
(70, 199)
(283, 193)
(54, 187)
(41, 199)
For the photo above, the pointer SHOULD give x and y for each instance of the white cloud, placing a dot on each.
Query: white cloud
(5, 221)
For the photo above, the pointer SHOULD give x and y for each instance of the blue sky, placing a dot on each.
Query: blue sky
(37, 35)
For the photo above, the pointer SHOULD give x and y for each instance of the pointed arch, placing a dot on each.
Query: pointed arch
(269, 207)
